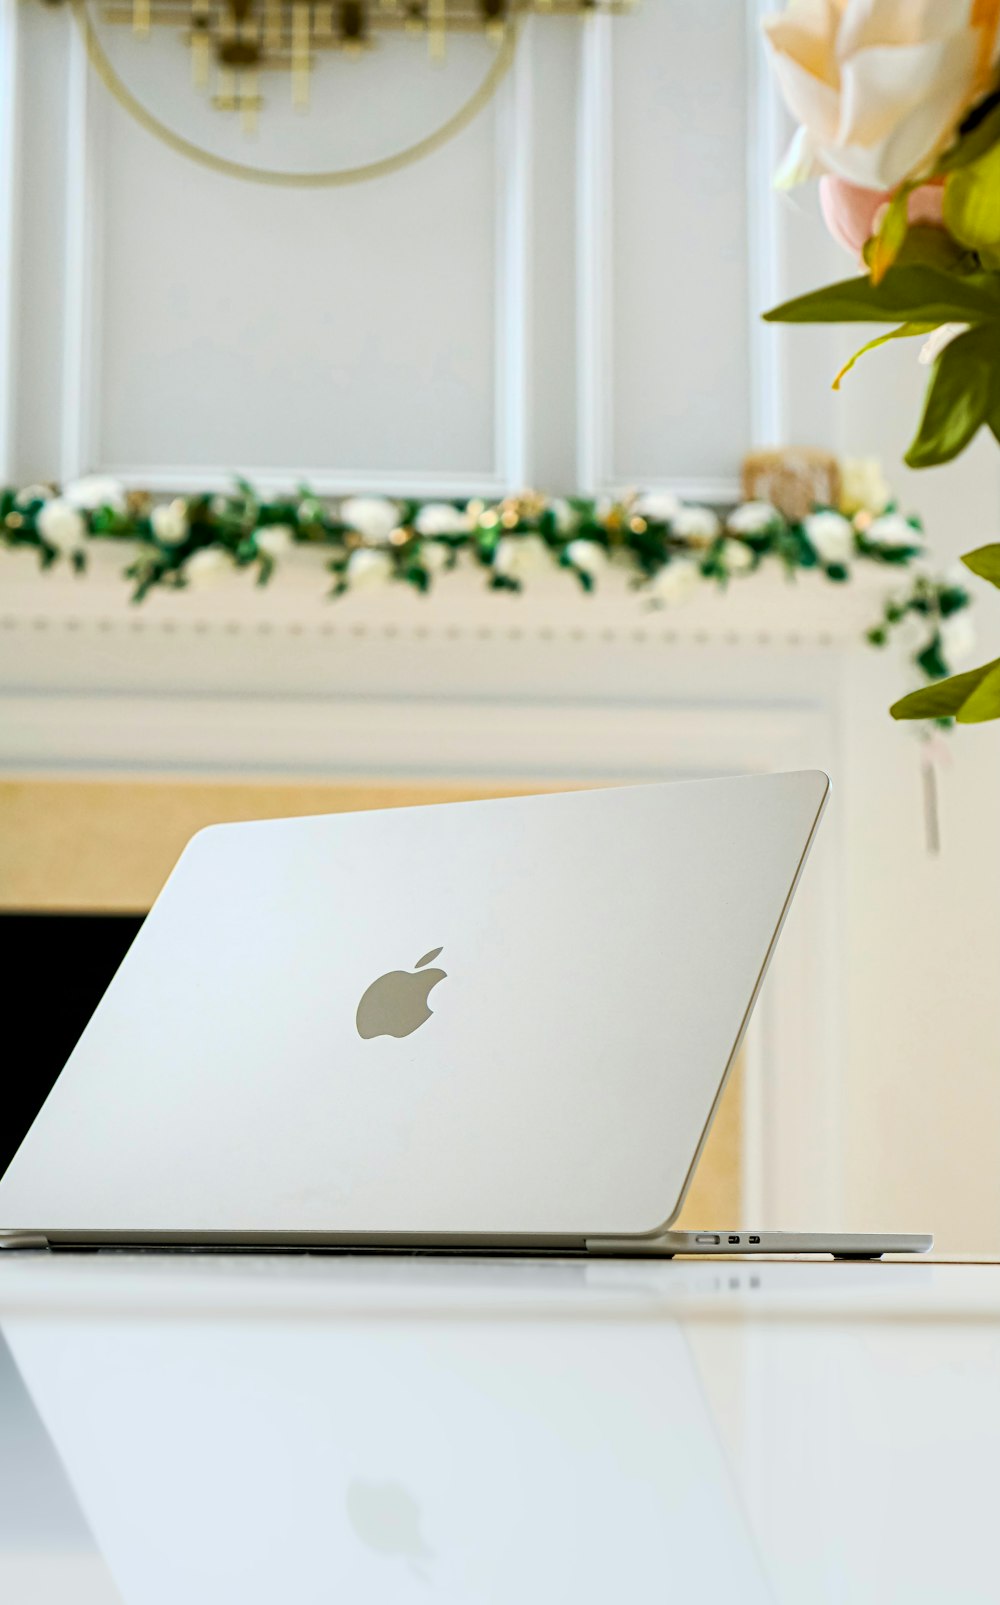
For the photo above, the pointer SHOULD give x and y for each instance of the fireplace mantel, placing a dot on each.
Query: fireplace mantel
(279, 684)
(282, 679)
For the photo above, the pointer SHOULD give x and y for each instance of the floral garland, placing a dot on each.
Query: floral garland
(668, 548)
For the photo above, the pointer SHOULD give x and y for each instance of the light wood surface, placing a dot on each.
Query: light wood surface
(109, 845)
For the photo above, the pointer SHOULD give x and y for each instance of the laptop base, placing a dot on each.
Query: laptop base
(667, 1245)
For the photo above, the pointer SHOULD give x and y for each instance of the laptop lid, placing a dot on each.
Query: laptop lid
(500, 1021)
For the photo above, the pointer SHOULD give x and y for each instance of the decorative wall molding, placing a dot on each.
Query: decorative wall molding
(764, 148)
(595, 286)
(82, 284)
(10, 202)
(760, 610)
(79, 402)
(81, 450)
(593, 257)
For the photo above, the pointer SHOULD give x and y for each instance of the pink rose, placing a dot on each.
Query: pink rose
(851, 212)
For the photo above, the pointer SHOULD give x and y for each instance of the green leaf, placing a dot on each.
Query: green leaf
(972, 202)
(964, 388)
(888, 241)
(928, 246)
(985, 561)
(905, 332)
(931, 659)
(946, 698)
(916, 294)
(984, 702)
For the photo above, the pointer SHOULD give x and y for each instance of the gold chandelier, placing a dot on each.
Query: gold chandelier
(234, 42)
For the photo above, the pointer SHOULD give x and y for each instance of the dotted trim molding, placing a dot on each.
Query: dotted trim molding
(605, 635)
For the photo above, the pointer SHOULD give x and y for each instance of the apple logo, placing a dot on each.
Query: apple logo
(396, 1003)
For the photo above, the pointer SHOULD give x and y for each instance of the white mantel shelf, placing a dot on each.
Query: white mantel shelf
(283, 679)
(766, 608)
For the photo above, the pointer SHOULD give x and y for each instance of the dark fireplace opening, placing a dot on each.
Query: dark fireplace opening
(56, 968)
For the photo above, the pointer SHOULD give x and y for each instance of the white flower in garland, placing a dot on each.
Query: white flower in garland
(367, 570)
(94, 491)
(170, 522)
(209, 566)
(588, 556)
(675, 582)
(435, 556)
(831, 534)
(518, 557)
(660, 506)
(736, 557)
(697, 524)
(33, 493)
(274, 540)
(958, 637)
(371, 516)
(441, 518)
(893, 530)
(863, 486)
(753, 518)
(62, 526)
(565, 515)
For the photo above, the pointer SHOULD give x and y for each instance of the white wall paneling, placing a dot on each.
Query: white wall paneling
(665, 282)
(185, 293)
(10, 144)
(392, 336)
(83, 283)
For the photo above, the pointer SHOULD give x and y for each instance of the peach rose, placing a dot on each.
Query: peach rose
(879, 86)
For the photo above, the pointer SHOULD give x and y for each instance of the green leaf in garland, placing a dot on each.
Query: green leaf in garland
(916, 294)
(985, 561)
(963, 393)
(931, 659)
(946, 699)
(952, 599)
(418, 576)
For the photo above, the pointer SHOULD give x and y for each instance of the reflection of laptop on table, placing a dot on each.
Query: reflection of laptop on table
(223, 1460)
(266, 1069)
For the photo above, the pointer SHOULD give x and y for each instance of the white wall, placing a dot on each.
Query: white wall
(566, 295)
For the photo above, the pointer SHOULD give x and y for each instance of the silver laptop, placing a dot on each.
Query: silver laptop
(499, 1025)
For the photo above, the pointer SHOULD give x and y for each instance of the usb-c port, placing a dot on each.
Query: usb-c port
(734, 1237)
(753, 1239)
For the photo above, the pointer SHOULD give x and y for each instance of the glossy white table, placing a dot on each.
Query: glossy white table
(207, 1430)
